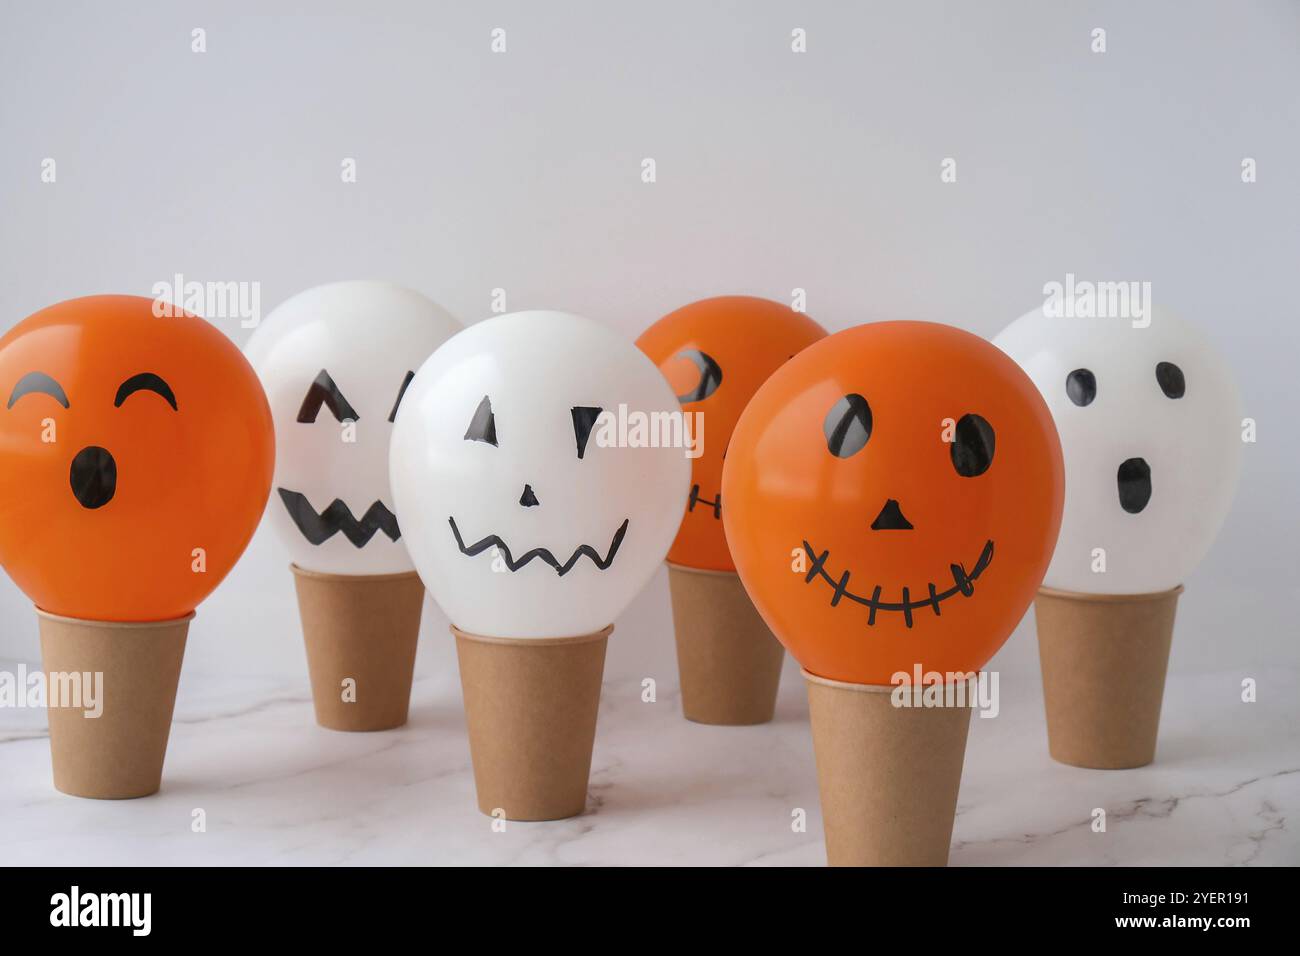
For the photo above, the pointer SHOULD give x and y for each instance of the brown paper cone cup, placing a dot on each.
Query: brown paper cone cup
(362, 629)
(1104, 658)
(118, 754)
(729, 662)
(531, 709)
(888, 775)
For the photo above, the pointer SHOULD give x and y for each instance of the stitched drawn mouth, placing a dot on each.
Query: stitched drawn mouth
(963, 583)
(542, 554)
(695, 499)
(320, 527)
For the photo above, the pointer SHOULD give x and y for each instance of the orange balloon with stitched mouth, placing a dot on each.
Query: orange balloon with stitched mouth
(716, 353)
(135, 459)
(893, 499)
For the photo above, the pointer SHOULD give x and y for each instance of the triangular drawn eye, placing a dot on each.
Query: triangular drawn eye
(323, 391)
(710, 376)
(584, 417)
(392, 416)
(483, 426)
(848, 426)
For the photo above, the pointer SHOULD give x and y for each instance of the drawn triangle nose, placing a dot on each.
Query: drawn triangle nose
(528, 499)
(891, 518)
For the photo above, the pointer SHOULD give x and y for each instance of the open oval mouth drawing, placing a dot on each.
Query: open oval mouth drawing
(963, 584)
(542, 554)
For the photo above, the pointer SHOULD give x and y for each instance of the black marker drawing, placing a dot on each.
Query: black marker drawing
(963, 584)
(38, 382)
(1134, 484)
(337, 517)
(696, 499)
(323, 391)
(145, 382)
(401, 393)
(710, 376)
(542, 554)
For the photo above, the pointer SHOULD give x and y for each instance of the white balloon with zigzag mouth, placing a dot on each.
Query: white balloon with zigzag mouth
(523, 519)
(335, 361)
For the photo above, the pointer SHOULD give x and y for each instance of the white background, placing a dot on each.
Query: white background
(775, 171)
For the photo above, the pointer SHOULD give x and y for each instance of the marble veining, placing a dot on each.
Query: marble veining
(276, 789)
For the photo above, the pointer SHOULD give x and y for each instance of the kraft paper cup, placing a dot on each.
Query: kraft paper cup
(120, 753)
(360, 629)
(728, 660)
(888, 776)
(531, 709)
(1104, 658)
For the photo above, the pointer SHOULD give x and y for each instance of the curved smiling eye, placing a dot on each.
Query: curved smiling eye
(972, 446)
(848, 426)
(1081, 386)
(710, 376)
(1171, 380)
(145, 382)
(483, 426)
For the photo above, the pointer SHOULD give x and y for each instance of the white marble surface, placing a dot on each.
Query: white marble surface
(277, 789)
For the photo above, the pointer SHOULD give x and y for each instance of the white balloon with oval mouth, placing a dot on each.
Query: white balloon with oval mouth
(334, 361)
(1150, 426)
(524, 515)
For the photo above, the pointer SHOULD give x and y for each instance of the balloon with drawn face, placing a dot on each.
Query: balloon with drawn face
(715, 354)
(1150, 424)
(335, 361)
(893, 495)
(526, 507)
(135, 459)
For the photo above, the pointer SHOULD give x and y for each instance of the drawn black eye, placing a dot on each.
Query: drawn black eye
(145, 382)
(972, 446)
(38, 382)
(323, 391)
(584, 417)
(483, 426)
(848, 426)
(1081, 386)
(392, 416)
(1171, 380)
(710, 376)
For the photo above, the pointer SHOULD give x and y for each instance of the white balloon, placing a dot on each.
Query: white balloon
(515, 532)
(335, 353)
(1150, 426)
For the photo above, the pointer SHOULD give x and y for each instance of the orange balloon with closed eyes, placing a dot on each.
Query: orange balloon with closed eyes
(716, 353)
(893, 499)
(135, 458)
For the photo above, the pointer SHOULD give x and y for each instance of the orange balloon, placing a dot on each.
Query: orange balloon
(893, 499)
(128, 443)
(716, 353)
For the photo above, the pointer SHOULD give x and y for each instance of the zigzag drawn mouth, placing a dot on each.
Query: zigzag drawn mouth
(542, 554)
(963, 584)
(695, 499)
(320, 527)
